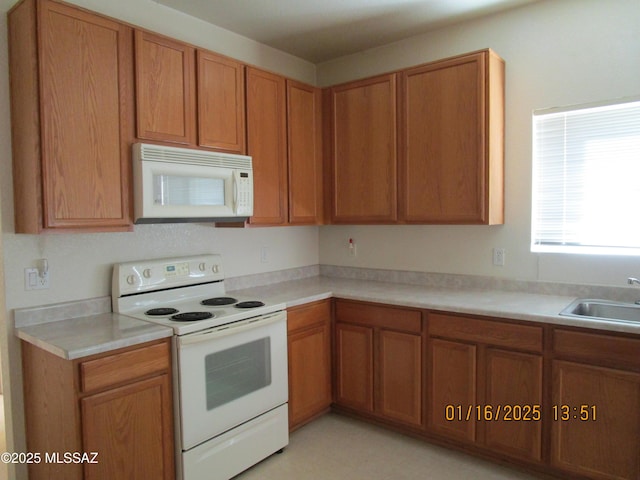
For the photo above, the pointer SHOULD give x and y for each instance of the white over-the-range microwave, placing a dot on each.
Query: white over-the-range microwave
(175, 185)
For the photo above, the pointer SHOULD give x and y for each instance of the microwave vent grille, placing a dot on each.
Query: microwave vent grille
(161, 153)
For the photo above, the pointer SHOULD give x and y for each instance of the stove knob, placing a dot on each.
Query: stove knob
(146, 273)
(131, 279)
(215, 269)
(202, 266)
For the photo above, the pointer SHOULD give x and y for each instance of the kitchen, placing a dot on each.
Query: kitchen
(556, 53)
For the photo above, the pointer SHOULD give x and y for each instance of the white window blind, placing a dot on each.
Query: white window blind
(586, 179)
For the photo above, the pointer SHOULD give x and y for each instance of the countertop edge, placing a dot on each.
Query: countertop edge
(79, 344)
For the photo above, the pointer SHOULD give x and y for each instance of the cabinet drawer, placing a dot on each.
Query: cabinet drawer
(123, 367)
(598, 348)
(304, 316)
(502, 334)
(379, 316)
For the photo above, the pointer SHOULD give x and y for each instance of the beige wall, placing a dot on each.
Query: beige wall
(557, 52)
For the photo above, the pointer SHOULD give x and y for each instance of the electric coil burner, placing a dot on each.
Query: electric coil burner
(249, 304)
(219, 301)
(161, 311)
(191, 316)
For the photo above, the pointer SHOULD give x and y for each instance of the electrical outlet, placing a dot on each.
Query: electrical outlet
(498, 257)
(264, 255)
(352, 248)
(34, 280)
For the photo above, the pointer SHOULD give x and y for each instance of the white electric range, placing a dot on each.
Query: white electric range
(230, 362)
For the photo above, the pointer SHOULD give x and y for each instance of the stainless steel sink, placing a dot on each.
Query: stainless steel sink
(603, 309)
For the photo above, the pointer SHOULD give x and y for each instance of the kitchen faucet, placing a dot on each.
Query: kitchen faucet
(631, 281)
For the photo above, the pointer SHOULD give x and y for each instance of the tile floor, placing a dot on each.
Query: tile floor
(335, 447)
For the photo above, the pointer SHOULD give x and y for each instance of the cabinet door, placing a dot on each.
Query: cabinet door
(131, 429)
(363, 151)
(220, 103)
(266, 143)
(603, 440)
(86, 94)
(165, 89)
(453, 389)
(354, 367)
(304, 143)
(445, 171)
(400, 376)
(514, 384)
(309, 373)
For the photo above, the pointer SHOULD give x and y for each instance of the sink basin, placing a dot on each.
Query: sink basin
(603, 309)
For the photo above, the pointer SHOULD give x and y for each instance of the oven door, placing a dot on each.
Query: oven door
(231, 374)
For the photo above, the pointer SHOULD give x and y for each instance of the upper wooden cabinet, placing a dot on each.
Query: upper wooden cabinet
(221, 118)
(362, 122)
(304, 143)
(71, 108)
(452, 141)
(187, 96)
(446, 165)
(267, 145)
(165, 89)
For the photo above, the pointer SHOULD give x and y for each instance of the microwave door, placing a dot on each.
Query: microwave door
(172, 190)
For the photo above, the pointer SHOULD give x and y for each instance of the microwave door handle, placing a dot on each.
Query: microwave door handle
(235, 192)
(231, 329)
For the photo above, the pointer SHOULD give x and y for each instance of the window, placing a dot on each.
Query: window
(586, 179)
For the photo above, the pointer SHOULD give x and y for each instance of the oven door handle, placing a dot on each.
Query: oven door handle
(232, 328)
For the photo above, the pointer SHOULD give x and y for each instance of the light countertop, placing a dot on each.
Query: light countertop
(90, 330)
(535, 307)
(83, 336)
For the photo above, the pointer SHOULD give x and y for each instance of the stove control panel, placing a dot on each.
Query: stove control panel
(159, 274)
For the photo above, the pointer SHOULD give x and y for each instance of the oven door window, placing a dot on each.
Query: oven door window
(233, 373)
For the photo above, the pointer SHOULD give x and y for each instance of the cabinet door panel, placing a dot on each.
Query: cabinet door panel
(86, 80)
(305, 153)
(514, 380)
(130, 428)
(364, 151)
(444, 114)
(165, 89)
(266, 143)
(309, 373)
(400, 376)
(453, 389)
(608, 446)
(221, 123)
(354, 365)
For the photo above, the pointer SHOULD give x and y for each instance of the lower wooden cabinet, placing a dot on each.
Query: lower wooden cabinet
(354, 366)
(560, 401)
(309, 344)
(379, 361)
(513, 380)
(596, 405)
(452, 389)
(118, 404)
(486, 385)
